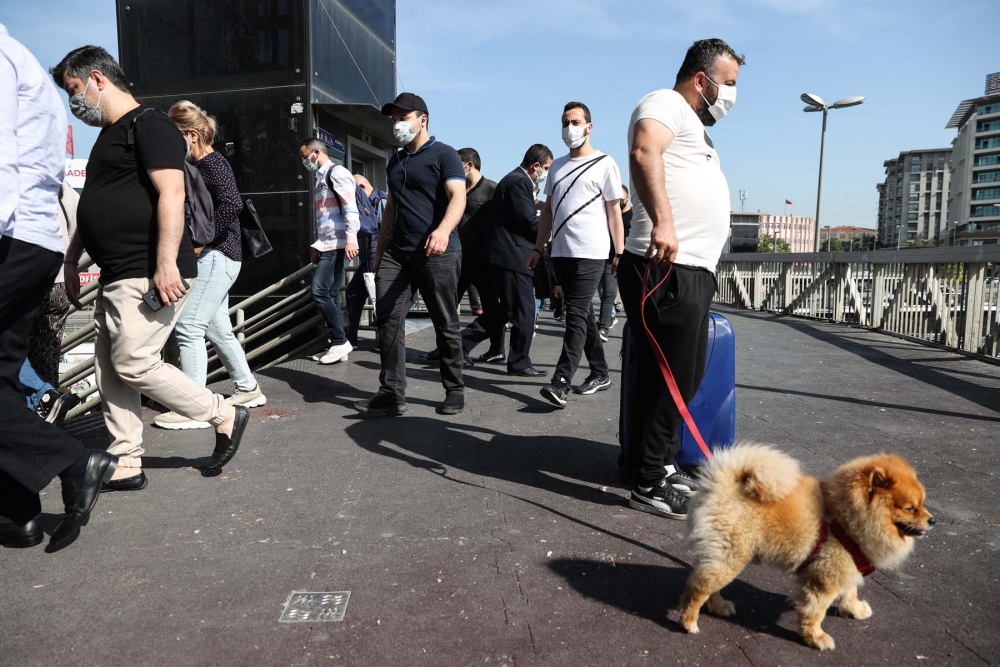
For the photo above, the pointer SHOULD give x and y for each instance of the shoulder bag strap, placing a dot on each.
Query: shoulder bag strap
(583, 168)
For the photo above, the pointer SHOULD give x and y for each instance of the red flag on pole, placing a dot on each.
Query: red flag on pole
(69, 141)
(788, 201)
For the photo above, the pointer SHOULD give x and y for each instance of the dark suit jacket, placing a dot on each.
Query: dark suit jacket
(513, 223)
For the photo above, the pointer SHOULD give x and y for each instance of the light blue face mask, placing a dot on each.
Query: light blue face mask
(86, 114)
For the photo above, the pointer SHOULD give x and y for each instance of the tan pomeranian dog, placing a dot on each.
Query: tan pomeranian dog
(755, 505)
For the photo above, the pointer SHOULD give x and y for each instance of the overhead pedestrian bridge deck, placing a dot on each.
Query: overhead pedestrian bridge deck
(501, 536)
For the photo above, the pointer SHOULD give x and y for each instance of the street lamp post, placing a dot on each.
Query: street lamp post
(898, 227)
(816, 103)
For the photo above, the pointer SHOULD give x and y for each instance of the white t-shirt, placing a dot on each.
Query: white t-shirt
(586, 234)
(696, 187)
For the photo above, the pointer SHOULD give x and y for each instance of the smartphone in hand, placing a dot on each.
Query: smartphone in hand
(152, 297)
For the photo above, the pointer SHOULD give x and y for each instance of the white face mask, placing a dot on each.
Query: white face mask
(542, 175)
(574, 135)
(723, 103)
(309, 164)
(404, 132)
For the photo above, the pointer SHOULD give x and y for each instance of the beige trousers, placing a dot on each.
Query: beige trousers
(128, 360)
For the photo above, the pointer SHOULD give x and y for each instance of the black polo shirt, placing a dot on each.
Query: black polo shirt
(417, 184)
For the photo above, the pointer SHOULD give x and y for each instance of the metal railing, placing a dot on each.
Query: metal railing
(948, 296)
(267, 329)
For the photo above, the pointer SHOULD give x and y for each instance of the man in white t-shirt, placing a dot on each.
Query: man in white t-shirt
(680, 222)
(581, 207)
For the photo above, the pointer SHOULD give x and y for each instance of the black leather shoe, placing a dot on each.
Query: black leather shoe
(14, 536)
(133, 483)
(529, 372)
(80, 501)
(468, 363)
(432, 356)
(226, 445)
(493, 358)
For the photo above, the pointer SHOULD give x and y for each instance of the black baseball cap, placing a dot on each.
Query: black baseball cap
(406, 102)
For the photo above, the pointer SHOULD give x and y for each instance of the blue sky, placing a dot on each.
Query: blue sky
(495, 76)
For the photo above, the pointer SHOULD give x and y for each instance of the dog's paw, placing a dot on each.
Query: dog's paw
(721, 607)
(822, 641)
(691, 629)
(860, 611)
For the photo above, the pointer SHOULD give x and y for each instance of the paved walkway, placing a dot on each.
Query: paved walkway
(499, 537)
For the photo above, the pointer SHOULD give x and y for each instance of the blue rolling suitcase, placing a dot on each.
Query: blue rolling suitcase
(714, 404)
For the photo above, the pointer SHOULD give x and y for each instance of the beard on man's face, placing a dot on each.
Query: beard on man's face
(704, 115)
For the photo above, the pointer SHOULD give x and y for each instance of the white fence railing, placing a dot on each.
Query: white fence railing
(948, 296)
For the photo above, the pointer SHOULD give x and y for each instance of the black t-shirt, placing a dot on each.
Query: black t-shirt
(477, 214)
(416, 182)
(117, 211)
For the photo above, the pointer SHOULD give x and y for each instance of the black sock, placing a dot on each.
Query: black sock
(75, 473)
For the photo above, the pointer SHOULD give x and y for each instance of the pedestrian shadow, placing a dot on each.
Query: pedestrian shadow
(563, 465)
(316, 388)
(531, 405)
(652, 592)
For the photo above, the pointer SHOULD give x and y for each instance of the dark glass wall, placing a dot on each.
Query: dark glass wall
(744, 238)
(250, 64)
(353, 51)
(181, 46)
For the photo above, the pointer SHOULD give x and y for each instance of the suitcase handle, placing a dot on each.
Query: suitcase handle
(661, 360)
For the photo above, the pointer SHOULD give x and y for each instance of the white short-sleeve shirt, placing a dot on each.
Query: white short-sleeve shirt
(695, 185)
(586, 234)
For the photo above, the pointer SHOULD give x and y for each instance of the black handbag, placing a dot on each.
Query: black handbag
(255, 242)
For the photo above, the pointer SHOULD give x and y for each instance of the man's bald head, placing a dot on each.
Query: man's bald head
(365, 185)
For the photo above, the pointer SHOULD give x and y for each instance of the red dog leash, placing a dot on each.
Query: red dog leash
(661, 360)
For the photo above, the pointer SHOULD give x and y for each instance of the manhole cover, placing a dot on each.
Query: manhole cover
(312, 607)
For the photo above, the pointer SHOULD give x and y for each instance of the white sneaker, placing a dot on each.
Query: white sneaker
(336, 353)
(248, 399)
(175, 422)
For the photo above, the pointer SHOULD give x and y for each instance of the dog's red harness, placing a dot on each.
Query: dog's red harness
(861, 562)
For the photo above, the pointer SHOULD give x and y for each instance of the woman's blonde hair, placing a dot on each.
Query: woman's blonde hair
(189, 116)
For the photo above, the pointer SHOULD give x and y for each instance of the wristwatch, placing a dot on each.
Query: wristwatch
(618, 255)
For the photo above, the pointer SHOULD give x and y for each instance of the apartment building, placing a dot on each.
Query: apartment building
(913, 198)
(974, 201)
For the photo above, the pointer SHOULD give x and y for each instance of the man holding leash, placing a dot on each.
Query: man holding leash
(679, 225)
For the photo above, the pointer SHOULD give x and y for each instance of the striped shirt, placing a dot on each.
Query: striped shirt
(337, 224)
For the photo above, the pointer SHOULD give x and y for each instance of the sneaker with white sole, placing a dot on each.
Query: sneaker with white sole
(248, 399)
(682, 481)
(662, 500)
(336, 353)
(175, 422)
(592, 385)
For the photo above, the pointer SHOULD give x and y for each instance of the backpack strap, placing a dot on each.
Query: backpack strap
(130, 137)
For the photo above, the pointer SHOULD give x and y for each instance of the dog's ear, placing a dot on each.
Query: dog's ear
(879, 479)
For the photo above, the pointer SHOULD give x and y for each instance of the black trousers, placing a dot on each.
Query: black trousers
(517, 303)
(32, 451)
(578, 279)
(399, 277)
(357, 293)
(677, 315)
(489, 325)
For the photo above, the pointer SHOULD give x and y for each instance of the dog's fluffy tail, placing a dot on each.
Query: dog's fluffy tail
(758, 471)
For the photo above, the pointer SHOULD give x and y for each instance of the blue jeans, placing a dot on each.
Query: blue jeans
(327, 280)
(34, 386)
(206, 315)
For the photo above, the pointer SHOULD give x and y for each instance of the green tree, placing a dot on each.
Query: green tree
(768, 243)
(832, 245)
